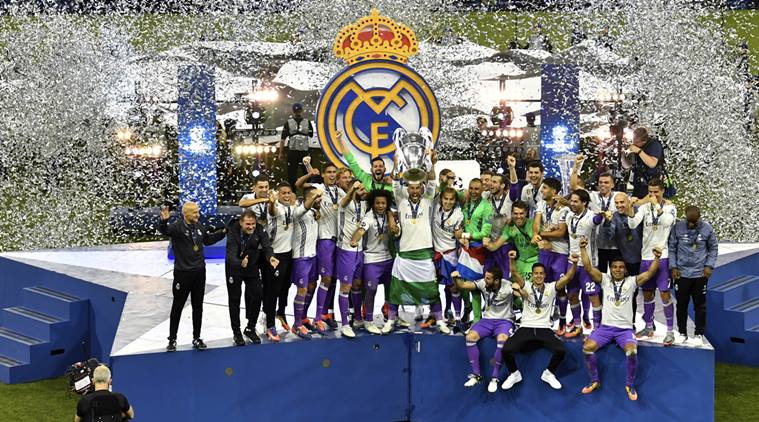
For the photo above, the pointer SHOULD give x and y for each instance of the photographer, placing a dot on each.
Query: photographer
(646, 155)
(102, 404)
(297, 131)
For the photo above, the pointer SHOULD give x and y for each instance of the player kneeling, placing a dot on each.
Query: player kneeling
(497, 321)
(617, 319)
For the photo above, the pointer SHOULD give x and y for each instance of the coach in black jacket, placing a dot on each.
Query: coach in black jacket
(246, 240)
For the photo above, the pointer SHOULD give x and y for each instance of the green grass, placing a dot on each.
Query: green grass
(736, 398)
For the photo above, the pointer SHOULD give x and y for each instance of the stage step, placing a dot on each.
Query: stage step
(44, 334)
(733, 319)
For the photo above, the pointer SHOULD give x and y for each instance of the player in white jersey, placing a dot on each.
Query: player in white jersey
(581, 224)
(531, 191)
(617, 324)
(602, 202)
(326, 242)
(304, 273)
(550, 233)
(258, 201)
(280, 212)
(538, 298)
(657, 216)
(414, 280)
(375, 230)
(349, 259)
(497, 321)
(447, 227)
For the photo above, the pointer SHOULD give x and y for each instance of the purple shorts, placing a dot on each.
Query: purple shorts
(325, 257)
(493, 327)
(348, 265)
(500, 259)
(556, 264)
(377, 273)
(661, 279)
(303, 271)
(604, 335)
(582, 280)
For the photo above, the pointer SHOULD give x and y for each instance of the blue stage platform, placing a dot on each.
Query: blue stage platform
(404, 376)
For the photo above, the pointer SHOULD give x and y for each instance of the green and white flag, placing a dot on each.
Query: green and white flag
(414, 281)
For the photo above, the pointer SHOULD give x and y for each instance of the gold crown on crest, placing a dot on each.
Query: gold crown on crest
(375, 37)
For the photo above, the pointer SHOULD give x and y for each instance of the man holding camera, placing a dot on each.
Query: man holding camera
(102, 402)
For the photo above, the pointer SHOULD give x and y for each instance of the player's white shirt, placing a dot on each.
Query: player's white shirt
(501, 206)
(280, 228)
(654, 235)
(305, 232)
(497, 304)
(531, 196)
(415, 219)
(580, 226)
(618, 313)
(348, 221)
(551, 218)
(261, 210)
(444, 224)
(329, 209)
(376, 238)
(531, 317)
(600, 203)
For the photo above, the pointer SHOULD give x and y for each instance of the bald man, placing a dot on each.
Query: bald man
(187, 237)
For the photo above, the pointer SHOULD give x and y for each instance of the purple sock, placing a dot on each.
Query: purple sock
(298, 304)
(596, 317)
(307, 304)
(474, 356)
(669, 313)
(592, 362)
(330, 304)
(369, 303)
(497, 359)
(321, 300)
(436, 310)
(562, 300)
(342, 300)
(356, 299)
(632, 364)
(576, 313)
(456, 299)
(585, 308)
(648, 312)
(448, 298)
(392, 311)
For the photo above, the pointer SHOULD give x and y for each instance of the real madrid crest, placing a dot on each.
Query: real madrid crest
(376, 94)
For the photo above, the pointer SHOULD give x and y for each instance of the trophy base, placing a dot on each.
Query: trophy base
(415, 175)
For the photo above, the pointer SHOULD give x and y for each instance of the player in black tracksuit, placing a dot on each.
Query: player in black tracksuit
(247, 241)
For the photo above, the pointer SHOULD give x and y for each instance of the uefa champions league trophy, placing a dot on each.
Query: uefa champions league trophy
(413, 151)
(566, 162)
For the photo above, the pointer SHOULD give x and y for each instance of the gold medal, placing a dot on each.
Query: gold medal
(694, 246)
(195, 248)
(617, 303)
(413, 221)
(537, 310)
(334, 207)
(381, 237)
(287, 227)
(655, 227)
(574, 235)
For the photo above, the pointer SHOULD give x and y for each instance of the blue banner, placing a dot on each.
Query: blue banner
(559, 118)
(197, 137)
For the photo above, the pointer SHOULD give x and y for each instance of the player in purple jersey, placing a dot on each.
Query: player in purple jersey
(617, 323)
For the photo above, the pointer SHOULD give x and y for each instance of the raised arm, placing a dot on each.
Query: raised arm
(641, 279)
(249, 202)
(349, 196)
(303, 179)
(574, 178)
(569, 275)
(462, 284)
(593, 272)
(515, 276)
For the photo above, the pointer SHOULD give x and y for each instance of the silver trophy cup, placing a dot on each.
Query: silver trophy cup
(412, 149)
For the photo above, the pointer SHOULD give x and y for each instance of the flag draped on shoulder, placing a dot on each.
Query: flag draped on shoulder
(472, 262)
